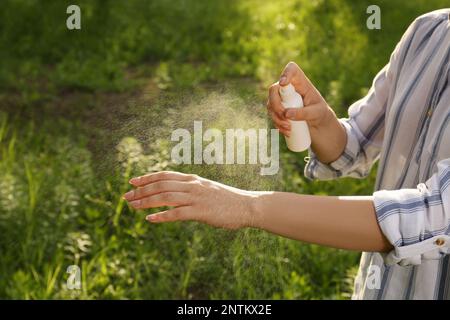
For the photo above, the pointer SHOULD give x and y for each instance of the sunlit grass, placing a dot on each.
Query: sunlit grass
(61, 181)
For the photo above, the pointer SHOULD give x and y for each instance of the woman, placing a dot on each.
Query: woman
(404, 122)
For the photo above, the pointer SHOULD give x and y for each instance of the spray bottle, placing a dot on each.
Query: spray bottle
(299, 140)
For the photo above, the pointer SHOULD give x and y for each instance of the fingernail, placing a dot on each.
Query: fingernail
(129, 195)
(283, 80)
(151, 218)
(135, 204)
(134, 180)
(290, 114)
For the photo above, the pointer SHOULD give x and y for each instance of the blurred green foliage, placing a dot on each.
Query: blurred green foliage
(211, 39)
(60, 194)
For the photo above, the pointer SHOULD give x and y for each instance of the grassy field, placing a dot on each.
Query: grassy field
(83, 111)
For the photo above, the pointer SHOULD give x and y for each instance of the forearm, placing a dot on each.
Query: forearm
(340, 222)
(328, 138)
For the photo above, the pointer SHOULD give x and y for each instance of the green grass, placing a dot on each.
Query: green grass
(83, 111)
(64, 209)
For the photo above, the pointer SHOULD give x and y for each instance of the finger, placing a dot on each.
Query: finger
(165, 199)
(162, 175)
(283, 126)
(279, 123)
(293, 74)
(274, 102)
(309, 113)
(176, 214)
(286, 133)
(157, 187)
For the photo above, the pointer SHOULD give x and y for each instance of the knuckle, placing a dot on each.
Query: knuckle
(196, 185)
(159, 185)
(137, 192)
(291, 67)
(146, 202)
(176, 214)
(163, 196)
(301, 113)
(162, 175)
(278, 115)
(141, 191)
(273, 88)
(146, 189)
(293, 64)
(193, 177)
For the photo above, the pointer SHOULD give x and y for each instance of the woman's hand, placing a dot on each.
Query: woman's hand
(328, 137)
(316, 111)
(192, 198)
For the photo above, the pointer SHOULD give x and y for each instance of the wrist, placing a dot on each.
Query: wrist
(325, 125)
(255, 210)
(329, 119)
(329, 138)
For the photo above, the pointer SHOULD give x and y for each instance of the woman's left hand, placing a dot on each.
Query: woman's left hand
(192, 198)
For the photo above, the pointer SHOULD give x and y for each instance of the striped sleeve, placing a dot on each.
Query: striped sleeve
(365, 125)
(417, 221)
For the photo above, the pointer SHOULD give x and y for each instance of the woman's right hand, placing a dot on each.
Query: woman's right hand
(316, 112)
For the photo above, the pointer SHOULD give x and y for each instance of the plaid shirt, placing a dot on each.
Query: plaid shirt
(404, 122)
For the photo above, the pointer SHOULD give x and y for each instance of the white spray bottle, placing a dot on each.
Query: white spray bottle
(299, 139)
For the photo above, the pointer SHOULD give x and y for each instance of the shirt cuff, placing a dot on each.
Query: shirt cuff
(400, 214)
(318, 170)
